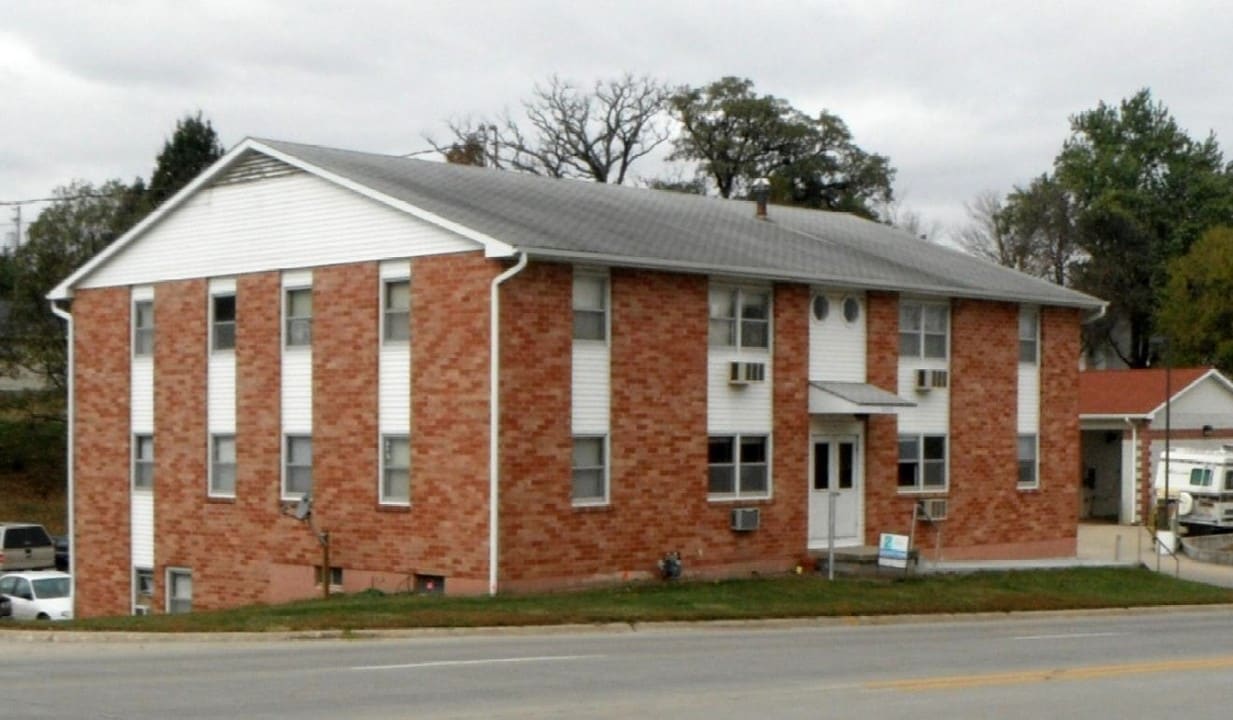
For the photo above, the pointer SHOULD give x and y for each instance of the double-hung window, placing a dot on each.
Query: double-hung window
(395, 470)
(923, 330)
(740, 317)
(222, 322)
(590, 469)
(738, 466)
(1027, 452)
(298, 310)
(143, 327)
(179, 590)
(590, 307)
(222, 465)
(143, 462)
(396, 311)
(298, 466)
(1029, 322)
(922, 462)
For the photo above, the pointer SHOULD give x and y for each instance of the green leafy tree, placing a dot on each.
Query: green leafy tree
(76, 226)
(1142, 191)
(193, 147)
(1196, 310)
(738, 136)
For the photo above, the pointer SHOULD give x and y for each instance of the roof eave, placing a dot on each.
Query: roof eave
(787, 276)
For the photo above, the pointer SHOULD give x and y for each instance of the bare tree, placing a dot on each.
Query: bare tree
(569, 132)
(988, 235)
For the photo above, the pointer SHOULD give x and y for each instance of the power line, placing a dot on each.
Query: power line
(31, 201)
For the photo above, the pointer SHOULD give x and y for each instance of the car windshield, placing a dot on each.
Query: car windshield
(47, 588)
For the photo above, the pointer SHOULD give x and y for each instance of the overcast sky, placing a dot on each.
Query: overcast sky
(962, 97)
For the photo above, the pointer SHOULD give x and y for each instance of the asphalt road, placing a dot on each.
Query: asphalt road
(1126, 665)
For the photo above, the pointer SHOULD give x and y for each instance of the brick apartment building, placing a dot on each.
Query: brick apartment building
(489, 381)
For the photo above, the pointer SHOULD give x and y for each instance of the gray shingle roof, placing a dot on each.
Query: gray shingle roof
(609, 224)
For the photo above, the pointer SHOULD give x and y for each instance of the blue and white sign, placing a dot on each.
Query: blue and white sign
(893, 551)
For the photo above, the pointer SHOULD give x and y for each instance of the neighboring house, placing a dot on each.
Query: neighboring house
(1124, 414)
(494, 381)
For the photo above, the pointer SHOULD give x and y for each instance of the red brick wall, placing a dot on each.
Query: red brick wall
(101, 471)
(885, 509)
(1056, 504)
(658, 436)
(449, 416)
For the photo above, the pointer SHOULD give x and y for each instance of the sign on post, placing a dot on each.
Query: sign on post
(893, 551)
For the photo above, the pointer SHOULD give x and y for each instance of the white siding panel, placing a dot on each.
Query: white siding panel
(142, 529)
(395, 269)
(740, 408)
(222, 286)
(1207, 403)
(932, 411)
(591, 388)
(297, 386)
(282, 222)
(1029, 398)
(837, 347)
(394, 395)
(221, 398)
(142, 390)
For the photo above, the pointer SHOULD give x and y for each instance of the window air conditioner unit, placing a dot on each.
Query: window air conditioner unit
(745, 519)
(933, 509)
(926, 380)
(743, 373)
(141, 610)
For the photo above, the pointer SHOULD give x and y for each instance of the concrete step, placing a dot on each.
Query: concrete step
(860, 561)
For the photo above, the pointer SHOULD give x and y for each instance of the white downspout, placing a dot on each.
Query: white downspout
(72, 543)
(494, 418)
(1134, 469)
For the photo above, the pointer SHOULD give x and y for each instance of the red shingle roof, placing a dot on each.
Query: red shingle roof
(1131, 392)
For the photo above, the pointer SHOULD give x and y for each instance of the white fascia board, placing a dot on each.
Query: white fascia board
(686, 266)
(492, 246)
(64, 290)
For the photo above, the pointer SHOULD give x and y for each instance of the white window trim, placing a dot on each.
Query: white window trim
(1035, 484)
(383, 301)
(283, 494)
(133, 327)
(214, 349)
(211, 441)
(741, 289)
(136, 458)
(136, 586)
(169, 585)
(607, 457)
(287, 290)
(920, 488)
(381, 497)
(738, 497)
(605, 278)
(922, 304)
(1035, 312)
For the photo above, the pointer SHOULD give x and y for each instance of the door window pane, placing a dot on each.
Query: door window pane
(821, 466)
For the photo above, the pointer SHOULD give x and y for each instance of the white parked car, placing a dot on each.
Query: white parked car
(39, 594)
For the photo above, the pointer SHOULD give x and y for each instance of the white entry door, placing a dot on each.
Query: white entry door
(835, 468)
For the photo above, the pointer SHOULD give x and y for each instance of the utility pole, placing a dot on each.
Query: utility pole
(16, 226)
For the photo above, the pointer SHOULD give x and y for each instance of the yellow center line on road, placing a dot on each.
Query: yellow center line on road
(1021, 677)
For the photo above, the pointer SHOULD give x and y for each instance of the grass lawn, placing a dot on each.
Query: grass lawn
(768, 597)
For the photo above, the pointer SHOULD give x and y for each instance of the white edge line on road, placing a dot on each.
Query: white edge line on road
(1068, 636)
(485, 661)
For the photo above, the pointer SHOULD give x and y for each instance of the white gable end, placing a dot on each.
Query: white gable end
(276, 221)
(1207, 402)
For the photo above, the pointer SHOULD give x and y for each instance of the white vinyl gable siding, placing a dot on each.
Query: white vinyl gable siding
(393, 381)
(1208, 402)
(837, 343)
(297, 370)
(295, 220)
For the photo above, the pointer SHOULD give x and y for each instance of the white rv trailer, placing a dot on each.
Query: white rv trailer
(1201, 481)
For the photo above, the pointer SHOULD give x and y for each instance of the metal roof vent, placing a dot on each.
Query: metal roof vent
(761, 191)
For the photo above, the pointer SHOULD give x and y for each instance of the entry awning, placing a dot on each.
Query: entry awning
(853, 398)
